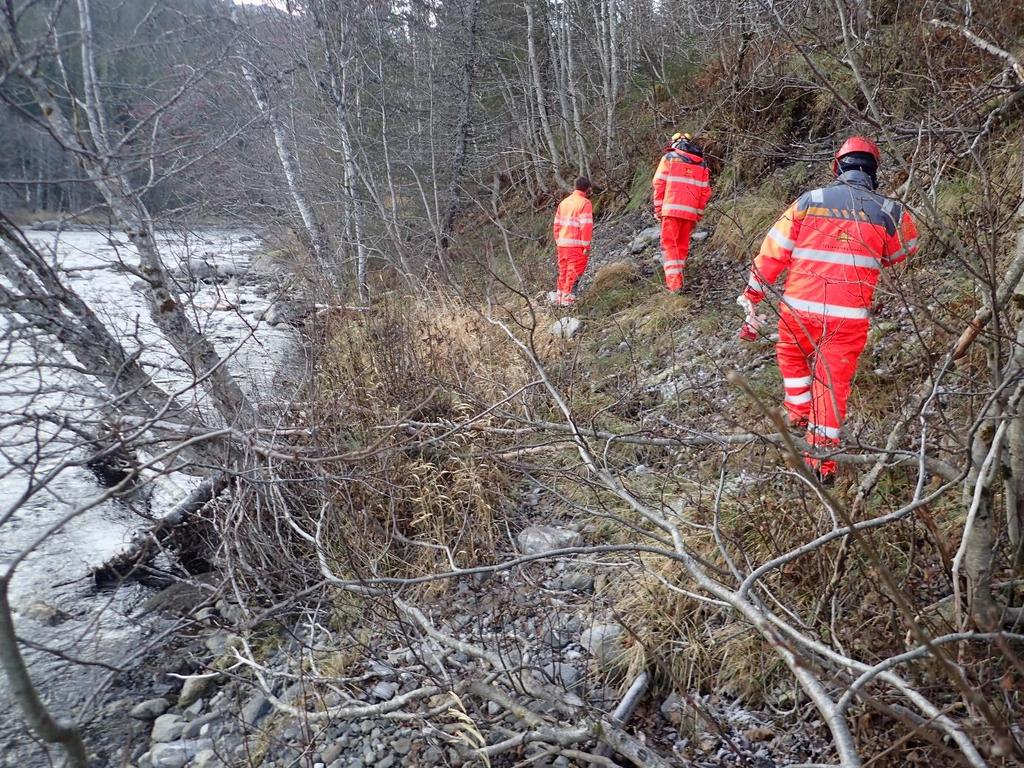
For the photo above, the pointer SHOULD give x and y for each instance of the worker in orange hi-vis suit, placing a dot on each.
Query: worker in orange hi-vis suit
(681, 191)
(834, 242)
(574, 227)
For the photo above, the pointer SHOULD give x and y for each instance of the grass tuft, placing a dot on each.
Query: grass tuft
(614, 275)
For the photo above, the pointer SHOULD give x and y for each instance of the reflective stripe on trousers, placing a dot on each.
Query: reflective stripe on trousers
(818, 359)
(572, 262)
(675, 247)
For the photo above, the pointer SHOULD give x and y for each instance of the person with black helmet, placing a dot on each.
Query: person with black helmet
(833, 242)
(682, 187)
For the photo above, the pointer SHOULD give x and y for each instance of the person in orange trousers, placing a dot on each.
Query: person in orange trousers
(834, 243)
(574, 228)
(682, 188)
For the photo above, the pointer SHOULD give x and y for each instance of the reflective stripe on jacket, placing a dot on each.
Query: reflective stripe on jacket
(834, 242)
(574, 222)
(681, 186)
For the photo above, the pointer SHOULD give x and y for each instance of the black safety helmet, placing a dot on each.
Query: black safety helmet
(684, 143)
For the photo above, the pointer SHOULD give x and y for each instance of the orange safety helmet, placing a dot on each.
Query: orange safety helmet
(856, 144)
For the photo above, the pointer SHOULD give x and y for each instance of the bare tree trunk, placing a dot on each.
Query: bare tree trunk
(746, 37)
(24, 693)
(387, 200)
(354, 199)
(976, 553)
(612, 95)
(542, 109)
(974, 557)
(315, 235)
(605, 15)
(559, 63)
(61, 313)
(583, 162)
(457, 167)
(93, 101)
(1013, 488)
(338, 57)
(166, 307)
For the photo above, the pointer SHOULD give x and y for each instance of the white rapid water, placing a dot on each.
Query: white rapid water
(90, 624)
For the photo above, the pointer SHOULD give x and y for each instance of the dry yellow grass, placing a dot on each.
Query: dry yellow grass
(615, 274)
(743, 223)
(423, 363)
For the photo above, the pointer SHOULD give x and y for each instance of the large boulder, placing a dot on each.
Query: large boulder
(574, 581)
(562, 673)
(44, 613)
(605, 644)
(645, 238)
(194, 729)
(565, 327)
(279, 313)
(229, 269)
(255, 710)
(167, 728)
(207, 759)
(177, 753)
(199, 269)
(149, 709)
(194, 689)
(384, 690)
(538, 539)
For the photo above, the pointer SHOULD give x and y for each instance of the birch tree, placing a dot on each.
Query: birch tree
(336, 35)
(62, 327)
(313, 231)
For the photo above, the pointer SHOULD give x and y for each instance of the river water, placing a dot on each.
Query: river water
(55, 604)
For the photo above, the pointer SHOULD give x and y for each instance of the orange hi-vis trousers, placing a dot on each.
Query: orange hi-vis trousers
(572, 261)
(675, 247)
(817, 359)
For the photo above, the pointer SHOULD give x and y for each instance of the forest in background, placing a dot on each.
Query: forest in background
(403, 162)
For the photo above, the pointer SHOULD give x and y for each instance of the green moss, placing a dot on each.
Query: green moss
(265, 640)
(956, 196)
(639, 190)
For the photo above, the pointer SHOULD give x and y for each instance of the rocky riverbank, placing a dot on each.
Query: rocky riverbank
(380, 693)
(241, 300)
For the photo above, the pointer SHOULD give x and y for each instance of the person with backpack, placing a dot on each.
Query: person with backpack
(682, 188)
(833, 243)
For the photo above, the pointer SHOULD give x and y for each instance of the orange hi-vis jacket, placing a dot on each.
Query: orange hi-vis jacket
(681, 186)
(574, 222)
(834, 241)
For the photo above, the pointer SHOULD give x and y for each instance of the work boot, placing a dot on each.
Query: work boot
(823, 473)
(567, 300)
(796, 423)
(823, 470)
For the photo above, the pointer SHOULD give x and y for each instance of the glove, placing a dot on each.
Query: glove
(752, 322)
